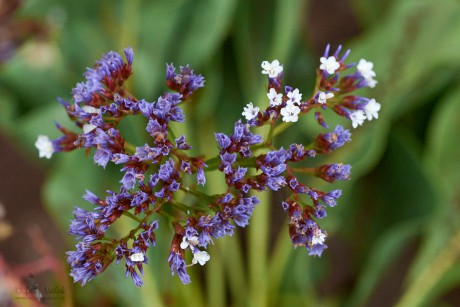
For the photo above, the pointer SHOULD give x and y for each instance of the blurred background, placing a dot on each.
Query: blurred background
(394, 238)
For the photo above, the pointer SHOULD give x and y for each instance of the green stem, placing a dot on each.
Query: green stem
(198, 194)
(129, 214)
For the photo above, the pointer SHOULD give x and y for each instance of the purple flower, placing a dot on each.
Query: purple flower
(242, 212)
(333, 172)
(181, 143)
(129, 55)
(223, 140)
(177, 265)
(186, 82)
(316, 250)
(326, 142)
(87, 223)
(200, 177)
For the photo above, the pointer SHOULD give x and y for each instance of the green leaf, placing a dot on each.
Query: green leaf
(198, 38)
(383, 253)
(443, 147)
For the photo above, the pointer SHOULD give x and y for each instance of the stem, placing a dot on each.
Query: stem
(198, 194)
(129, 214)
(304, 170)
(131, 149)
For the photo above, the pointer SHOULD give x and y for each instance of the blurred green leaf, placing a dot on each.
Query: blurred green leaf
(443, 147)
(217, 13)
(383, 253)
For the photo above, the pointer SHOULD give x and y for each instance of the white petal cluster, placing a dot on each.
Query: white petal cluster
(272, 69)
(44, 146)
(330, 64)
(290, 112)
(137, 257)
(90, 109)
(275, 98)
(372, 109)
(323, 97)
(318, 237)
(366, 69)
(192, 242)
(250, 112)
(200, 257)
(357, 118)
(295, 96)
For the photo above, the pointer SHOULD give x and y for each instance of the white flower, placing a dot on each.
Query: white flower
(137, 257)
(275, 98)
(189, 242)
(372, 109)
(44, 146)
(371, 82)
(318, 237)
(357, 118)
(201, 257)
(322, 97)
(295, 96)
(90, 109)
(290, 113)
(365, 68)
(250, 111)
(88, 128)
(273, 69)
(330, 64)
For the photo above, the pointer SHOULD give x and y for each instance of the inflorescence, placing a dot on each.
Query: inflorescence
(153, 173)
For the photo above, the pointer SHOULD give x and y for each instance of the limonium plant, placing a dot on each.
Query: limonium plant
(154, 174)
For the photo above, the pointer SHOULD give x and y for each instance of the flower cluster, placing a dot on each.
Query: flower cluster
(153, 173)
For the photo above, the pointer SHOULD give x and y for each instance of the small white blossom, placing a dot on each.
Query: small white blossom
(330, 64)
(357, 118)
(193, 241)
(322, 97)
(44, 146)
(365, 68)
(371, 82)
(250, 111)
(372, 109)
(137, 257)
(275, 98)
(201, 257)
(318, 237)
(290, 113)
(273, 69)
(295, 96)
(88, 128)
(90, 109)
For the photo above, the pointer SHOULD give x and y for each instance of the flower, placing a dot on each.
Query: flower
(201, 257)
(323, 96)
(137, 257)
(371, 109)
(290, 113)
(357, 118)
(186, 242)
(330, 64)
(318, 237)
(273, 69)
(365, 68)
(275, 98)
(294, 96)
(45, 147)
(250, 111)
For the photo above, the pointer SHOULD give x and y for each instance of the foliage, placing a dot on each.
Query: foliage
(402, 201)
